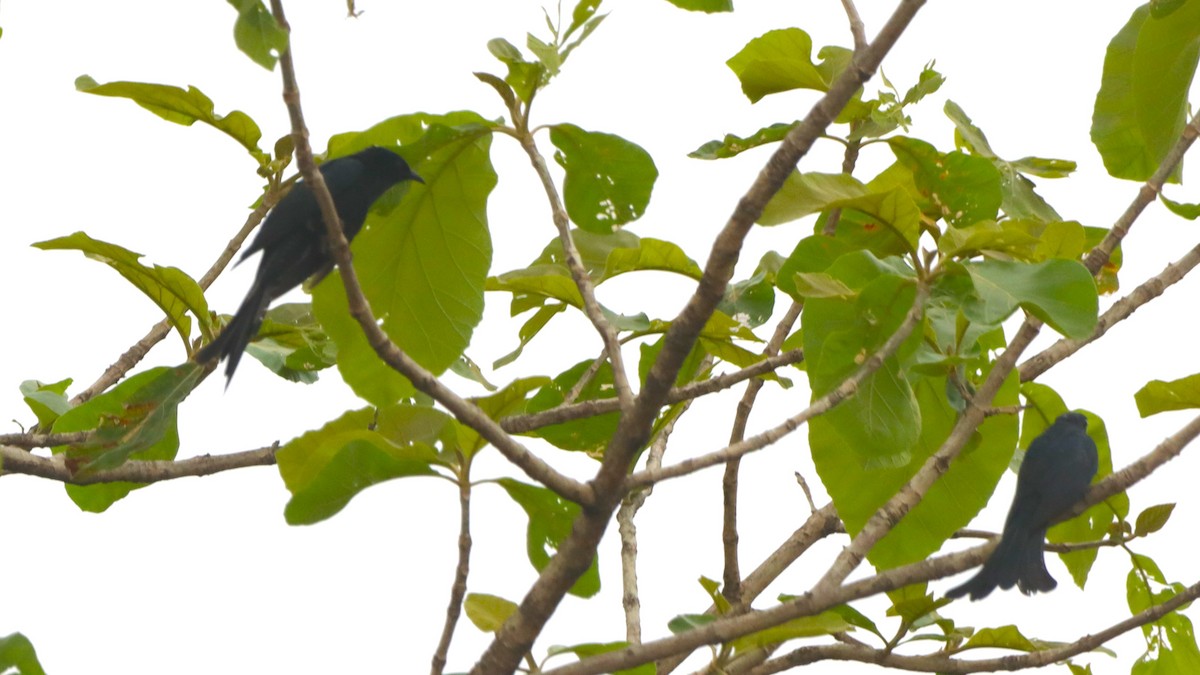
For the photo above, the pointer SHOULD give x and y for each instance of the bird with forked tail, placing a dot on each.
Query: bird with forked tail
(1055, 474)
(293, 243)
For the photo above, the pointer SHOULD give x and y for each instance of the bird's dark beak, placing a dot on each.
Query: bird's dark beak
(417, 178)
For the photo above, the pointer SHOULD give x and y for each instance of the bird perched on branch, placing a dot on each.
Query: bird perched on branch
(1055, 474)
(293, 241)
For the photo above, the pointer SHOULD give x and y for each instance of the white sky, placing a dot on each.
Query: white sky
(195, 576)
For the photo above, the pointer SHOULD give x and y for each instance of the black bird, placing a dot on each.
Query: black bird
(293, 242)
(1056, 472)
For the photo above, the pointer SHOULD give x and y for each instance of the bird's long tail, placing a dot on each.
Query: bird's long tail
(232, 341)
(1017, 561)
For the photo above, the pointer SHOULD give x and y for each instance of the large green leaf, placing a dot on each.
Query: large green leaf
(257, 33)
(550, 520)
(781, 60)
(324, 469)
(608, 179)
(1142, 103)
(422, 259)
(182, 107)
(949, 505)
(137, 419)
(880, 218)
(1060, 292)
(170, 288)
(963, 189)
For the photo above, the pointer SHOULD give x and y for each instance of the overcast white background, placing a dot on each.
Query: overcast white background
(203, 575)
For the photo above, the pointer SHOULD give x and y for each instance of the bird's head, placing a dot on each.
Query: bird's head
(1073, 419)
(387, 164)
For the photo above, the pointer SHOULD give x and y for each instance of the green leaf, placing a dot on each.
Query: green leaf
(1183, 210)
(133, 417)
(292, 344)
(887, 220)
(594, 648)
(686, 622)
(963, 189)
(1142, 104)
(182, 107)
(731, 145)
(488, 612)
(137, 419)
(752, 301)
(324, 469)
(1160, 396)
(858, 490)
(804, 194)
(781, 60)
(608, 179)
(1004, 637)
(18, 656)
(170, 288)
(707, 6)
(1059, 292)
(825, 623)
(550, 521)
(1153, 519)
(589, 434)
(422, 259)
(1009, 237)
(47, 401)
(528, 330)
(257, 33)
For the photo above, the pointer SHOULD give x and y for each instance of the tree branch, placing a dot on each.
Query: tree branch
(940, 663)
(458, 590)
(464, 411)
(16, 461)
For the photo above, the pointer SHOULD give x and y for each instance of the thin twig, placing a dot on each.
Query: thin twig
(458, 590)
(627, 528)
(35, 440)
(857, 29)
(732, 586)
(518, 424)
(463, 410)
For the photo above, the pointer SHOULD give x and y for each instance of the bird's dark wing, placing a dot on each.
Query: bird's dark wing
(298, 210)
